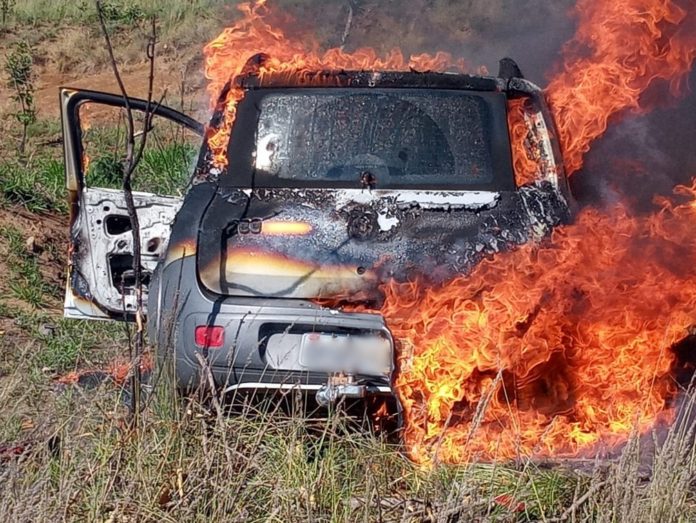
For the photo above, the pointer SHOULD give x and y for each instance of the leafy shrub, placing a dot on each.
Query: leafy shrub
(19, 67)
(118, 13)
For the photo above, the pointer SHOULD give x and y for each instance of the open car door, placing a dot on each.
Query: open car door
(100, 277)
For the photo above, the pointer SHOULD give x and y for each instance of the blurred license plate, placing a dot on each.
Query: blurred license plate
(368, 354)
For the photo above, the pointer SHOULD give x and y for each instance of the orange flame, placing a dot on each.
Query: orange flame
(85, 163)
(118, 370)
(526, 161)
(85, 125)
(226, 56)
(561, 348)
(558, 346)
(620, 48)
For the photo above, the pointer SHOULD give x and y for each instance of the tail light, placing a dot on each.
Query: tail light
(211, 336)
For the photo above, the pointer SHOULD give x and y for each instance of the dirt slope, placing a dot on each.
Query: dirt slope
(45, 241)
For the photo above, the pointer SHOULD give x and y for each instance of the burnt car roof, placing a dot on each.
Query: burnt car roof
(509, 79)
(355, 79)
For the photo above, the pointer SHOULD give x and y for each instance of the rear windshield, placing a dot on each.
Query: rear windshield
(401, 138)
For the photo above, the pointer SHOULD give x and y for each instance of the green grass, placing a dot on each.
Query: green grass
(124, 12)
(38, 186)
(164, 170)
(167, 169)
(62, 344)
(25, 279)
(165, 166)
(73, 343)
(37, 183)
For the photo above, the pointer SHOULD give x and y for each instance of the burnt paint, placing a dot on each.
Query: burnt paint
(84, 249)
(432, 242)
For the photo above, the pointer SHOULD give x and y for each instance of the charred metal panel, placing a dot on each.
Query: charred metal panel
(102, 247)
(395, 79)
(351, 241)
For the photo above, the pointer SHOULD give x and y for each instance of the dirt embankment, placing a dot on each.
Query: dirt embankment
(173, 86)
(44, 245)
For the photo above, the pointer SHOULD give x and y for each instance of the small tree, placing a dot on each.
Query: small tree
(134, 153)
(6, 7)
(19, 68)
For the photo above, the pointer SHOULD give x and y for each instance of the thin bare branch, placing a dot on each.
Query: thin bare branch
(130, 163)
(117, 74)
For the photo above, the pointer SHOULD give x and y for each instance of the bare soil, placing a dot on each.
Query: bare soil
(47, 240)
(170, 85)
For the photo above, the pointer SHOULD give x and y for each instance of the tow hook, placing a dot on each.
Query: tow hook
(339, 386)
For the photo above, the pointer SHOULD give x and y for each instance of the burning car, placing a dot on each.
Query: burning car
(269, 267)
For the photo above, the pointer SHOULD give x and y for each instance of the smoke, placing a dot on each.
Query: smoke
(638, 157)
(480, 31)
(641, 156)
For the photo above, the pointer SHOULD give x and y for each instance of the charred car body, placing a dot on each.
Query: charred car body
(336, 183)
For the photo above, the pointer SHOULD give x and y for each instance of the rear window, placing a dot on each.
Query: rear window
(404, 138)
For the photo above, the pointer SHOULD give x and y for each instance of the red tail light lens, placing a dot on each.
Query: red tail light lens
(211, 336)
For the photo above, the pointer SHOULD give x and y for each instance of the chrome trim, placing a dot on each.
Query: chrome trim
(298, 386)
(272, 386)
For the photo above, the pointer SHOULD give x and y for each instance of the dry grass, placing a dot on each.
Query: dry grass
(189, 462)
(65, 37)
(169, 11)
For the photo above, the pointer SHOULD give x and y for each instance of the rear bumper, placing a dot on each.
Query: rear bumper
(325, 395)
(374, 390)
(243, 361)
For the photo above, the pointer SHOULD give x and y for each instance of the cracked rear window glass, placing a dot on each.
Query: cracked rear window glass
(401, 138)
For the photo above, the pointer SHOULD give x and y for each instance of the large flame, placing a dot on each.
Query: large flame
(555, 348)
(560, 348)
(557, 345)
(525, 157)
(621, 48)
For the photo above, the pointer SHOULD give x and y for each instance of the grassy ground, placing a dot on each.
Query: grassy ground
(72, 30)
(66, 450)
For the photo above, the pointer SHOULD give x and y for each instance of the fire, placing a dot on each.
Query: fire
(227, 55)
(85, 163)
(525, 163)
(556, 348)
(559, 348)
(85, 125)
(548, 349)
(620, 49)
(118, 371)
